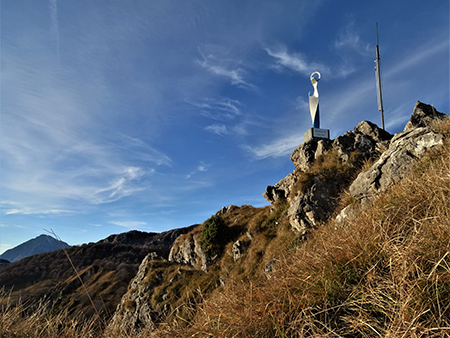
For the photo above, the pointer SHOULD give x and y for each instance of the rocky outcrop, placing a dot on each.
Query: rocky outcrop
(134, 312)
(394, 157)
(281, 189)
(240, 246)
(308, 208)
(367, 139)
(187, 250)
(305, 154)
(224, 209)
(423, 116)
(405, 149)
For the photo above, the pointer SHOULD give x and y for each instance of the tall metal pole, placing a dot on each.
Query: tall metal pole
(378, 81)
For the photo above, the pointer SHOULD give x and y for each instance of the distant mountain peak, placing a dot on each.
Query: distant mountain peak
(40, 244)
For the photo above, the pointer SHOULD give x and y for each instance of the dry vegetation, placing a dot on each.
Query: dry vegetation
(385, 273)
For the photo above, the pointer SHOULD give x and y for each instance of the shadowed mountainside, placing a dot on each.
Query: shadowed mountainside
(108, 264)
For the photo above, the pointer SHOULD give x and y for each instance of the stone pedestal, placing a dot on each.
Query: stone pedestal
(316, 133)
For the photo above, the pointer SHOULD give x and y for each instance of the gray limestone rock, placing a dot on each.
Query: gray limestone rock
(238, 248)
(405, 149)
(133, 312)
(423, 115)
(366, 137)
(305, 154)
(306, 210)
(281, 189)
(187, 250)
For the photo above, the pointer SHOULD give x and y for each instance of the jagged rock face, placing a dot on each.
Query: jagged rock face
(281, 189)
(305, 154)
(317, 204)
(405, 149)
(306, 210)
(423, 115)
(238, 248)
(367, 138)
(187, 250)
(133, 312)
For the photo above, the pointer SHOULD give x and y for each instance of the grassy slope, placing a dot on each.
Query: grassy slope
(384, 273)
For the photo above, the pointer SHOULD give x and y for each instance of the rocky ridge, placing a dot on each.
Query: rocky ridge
(309, 197)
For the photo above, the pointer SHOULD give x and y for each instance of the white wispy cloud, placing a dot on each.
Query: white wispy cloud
(221, 108)
(277, 148)
(54, 24)
(129, 224)
(201, 168)
(29, 211)
(137, 149)
(120, 187)
(230, 70)
(348, 39)
(218, 129)
(295, 61)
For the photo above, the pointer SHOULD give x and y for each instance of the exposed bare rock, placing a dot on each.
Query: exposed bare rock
(423, 116)
(305, 154)
(238, 248)
(306, 210)
(367, 138)
(405, 149)
(134, 312)
(349, 212)
(187, 250)
(281, 189)
(316, 204)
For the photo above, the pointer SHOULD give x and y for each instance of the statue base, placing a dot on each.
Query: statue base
(316, 133)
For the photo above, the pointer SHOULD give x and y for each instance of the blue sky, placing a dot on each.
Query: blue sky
(152, 115)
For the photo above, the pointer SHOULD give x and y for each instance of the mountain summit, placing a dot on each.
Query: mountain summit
(40, 244)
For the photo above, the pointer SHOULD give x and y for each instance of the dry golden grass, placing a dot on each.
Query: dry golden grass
(386, 273)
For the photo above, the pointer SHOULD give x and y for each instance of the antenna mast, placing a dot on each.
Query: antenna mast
(378, 81)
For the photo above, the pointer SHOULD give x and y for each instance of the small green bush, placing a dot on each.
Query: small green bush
(214, 235)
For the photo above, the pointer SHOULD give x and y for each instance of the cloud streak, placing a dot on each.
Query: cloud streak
(349, 40)
(220, 109)
(55, 25)
(295, 61)
(278, 148)
(129, 224)
(236, 75)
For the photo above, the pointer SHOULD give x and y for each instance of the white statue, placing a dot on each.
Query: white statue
(314, 100)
